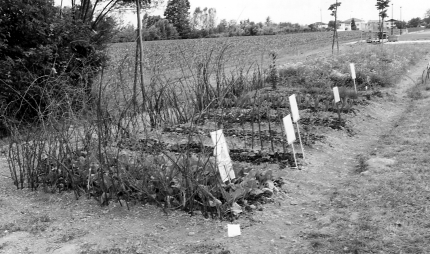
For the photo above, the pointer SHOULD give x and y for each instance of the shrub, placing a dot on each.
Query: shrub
(43, 56)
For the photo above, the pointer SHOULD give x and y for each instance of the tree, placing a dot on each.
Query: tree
(160, 30)
(331, 24)
(212, 19)
(46, 57)
(381, 6)
(427, 18)
(400, 24)
(196, 19)
(268, 21)
(353, 25)
(177, 13)
(203, 19)
(222, 26)
(415, 22)
(333, 9)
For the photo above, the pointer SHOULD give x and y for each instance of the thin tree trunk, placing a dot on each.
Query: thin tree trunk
(136, 70)
(61, 9)
(335, 23)
(139, 30)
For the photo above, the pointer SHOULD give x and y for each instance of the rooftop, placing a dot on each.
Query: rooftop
(355, 19)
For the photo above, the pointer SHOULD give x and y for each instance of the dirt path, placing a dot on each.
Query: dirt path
(36, 222)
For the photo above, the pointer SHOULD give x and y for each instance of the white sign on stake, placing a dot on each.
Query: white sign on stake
(296, 118)
(353, 75)
(291, 135)
(223, 159)
(352, 70)
(289, 129)
(233, 230)
(336, 94)
(294, 108)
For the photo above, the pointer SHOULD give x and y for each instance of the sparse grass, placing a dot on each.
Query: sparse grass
(392, 206)
(415, 92)
(32, 224)
(9, 228)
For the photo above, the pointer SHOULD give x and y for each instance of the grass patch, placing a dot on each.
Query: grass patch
(391, 207)
(33, 225)
(415, 93)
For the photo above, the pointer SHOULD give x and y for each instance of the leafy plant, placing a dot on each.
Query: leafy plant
(273, 72)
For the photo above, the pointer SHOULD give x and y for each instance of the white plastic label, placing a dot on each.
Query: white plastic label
(294, 108)
(352, 70)
(223, 159)
(233, 230)
(289, 129)
(336, 94)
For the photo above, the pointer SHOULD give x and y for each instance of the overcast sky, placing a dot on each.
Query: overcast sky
(298, 11)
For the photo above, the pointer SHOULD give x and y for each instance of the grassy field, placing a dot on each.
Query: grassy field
(416, 36)
(172, 54)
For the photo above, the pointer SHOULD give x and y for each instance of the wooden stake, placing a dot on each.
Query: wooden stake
(338, 111)
(270, 129)
(252, 130)
(300, 139)
(355, 86)
(282, 133)
(294, 154)
(244, 133)
(259, 126)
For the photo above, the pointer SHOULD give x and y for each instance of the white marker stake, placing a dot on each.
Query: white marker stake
(353, 75)
(222, 157)
(296, 118)
(291, 135)
(233, 230)
(336, 94)
(336, 100)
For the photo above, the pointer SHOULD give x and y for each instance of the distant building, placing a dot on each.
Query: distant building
(321, 25)
(344, 26)
(359, 23)
(373, 25)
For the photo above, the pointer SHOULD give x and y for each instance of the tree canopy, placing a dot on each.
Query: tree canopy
(177, 13)
(353, 25)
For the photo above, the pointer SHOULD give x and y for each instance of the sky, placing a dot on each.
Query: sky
(297, 11)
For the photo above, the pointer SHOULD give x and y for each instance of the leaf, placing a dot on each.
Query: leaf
(238, 193)
(236, 209)
(250, 184)
(269, 184)
(256, 192)
(108, 182)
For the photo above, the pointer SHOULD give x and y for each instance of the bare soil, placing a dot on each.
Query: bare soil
(303, 215)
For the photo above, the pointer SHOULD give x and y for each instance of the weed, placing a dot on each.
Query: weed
(273, 72)
(9, 228)
(362, 165)
(315, 244)
(415, 93)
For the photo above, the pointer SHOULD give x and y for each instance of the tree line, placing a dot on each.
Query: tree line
(179, 23)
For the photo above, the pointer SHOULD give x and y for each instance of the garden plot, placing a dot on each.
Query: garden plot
(144, 157)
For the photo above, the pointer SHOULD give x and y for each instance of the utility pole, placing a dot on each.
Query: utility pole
(401, 21)
(401, 14)
(392, 17)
